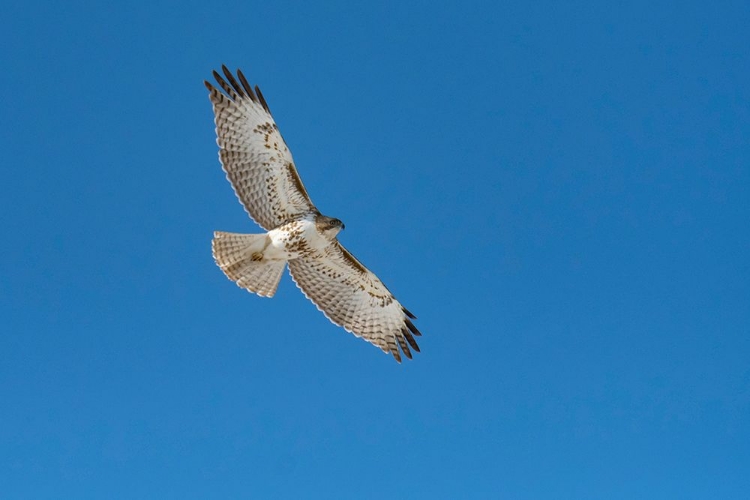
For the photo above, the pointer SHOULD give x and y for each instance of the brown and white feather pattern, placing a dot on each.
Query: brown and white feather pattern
(254, 156)
(232, 253)
(260, 168)
(353, 297)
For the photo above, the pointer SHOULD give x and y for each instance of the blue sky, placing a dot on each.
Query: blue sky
(559, 191)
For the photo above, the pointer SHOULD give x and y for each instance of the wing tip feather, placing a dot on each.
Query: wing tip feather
(408, 313)
(409, 338)
(262, 100)
(404, 346)
(396, 355)
(412, 328)
(238, 89)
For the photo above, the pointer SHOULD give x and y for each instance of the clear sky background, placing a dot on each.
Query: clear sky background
(559, 191)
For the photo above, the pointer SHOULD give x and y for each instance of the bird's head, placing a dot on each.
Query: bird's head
(329, 226)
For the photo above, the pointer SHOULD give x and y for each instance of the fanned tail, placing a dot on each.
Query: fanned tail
(238, 256)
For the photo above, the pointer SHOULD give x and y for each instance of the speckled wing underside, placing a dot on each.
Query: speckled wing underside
(353, 297)
(253, 154)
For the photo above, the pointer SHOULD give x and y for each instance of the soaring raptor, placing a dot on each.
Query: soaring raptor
(260, 168)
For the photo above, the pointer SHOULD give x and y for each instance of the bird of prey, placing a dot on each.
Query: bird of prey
(260, 168)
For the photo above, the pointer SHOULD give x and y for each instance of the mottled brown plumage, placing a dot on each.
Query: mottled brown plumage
(260, 168)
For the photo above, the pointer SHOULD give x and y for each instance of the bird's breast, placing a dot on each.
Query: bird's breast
(297, 238)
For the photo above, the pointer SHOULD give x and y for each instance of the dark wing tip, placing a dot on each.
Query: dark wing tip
(396, 355)
(224, 85)
(262, 100)
(409, 338)
(238, 89)
(412, 328)
(209, 86)
(404, 346)
(408, 313)
(226, 72)
(232, 81)
(245, 85)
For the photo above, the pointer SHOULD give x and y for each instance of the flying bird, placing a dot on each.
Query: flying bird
(260, 168)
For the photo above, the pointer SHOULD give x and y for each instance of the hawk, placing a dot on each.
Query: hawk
(260, 168)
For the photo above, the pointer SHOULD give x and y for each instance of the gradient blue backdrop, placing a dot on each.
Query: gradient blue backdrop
(558, 190)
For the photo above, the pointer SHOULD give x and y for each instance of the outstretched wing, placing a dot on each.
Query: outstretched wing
(353, 297)
(255, 157)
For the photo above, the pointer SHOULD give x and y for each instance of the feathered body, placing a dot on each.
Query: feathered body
(260, 168)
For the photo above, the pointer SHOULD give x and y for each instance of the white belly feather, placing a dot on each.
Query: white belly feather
(293, 239)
